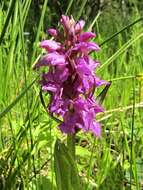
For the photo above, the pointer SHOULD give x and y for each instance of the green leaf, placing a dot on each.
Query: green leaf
(100, 98)
(66, 172)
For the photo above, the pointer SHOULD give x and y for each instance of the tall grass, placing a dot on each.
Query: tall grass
(28, 134)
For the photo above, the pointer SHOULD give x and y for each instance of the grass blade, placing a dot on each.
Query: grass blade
(10, 11)
(120, 51)
(10, 106)
(120, 31)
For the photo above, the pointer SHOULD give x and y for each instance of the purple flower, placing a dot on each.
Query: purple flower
(53, 80)
(82, 68)
(52, 58)
(85, 36)
(81, 116)
(50, 45)
(86, 47)
(79, 26)
(71, 79)
(53, 32)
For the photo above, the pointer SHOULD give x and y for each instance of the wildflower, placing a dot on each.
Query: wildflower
(50, 45)
(53, 32)
(71, 78)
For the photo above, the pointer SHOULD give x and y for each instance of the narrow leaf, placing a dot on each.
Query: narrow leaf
(100, 98)
(66, 172)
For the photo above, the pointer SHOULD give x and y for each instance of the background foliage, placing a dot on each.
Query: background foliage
(27, 134)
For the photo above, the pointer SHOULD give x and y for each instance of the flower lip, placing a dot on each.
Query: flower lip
(50, 45)
(86, 47)
(96, 129)
(85, 36)
(52, 58)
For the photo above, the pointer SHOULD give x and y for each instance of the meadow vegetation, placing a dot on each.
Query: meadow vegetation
(28, 134)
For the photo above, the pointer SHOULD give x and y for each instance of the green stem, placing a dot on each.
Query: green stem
(71, 144)
(132, 135)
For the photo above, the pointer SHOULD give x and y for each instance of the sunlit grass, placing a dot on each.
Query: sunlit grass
(27, 134)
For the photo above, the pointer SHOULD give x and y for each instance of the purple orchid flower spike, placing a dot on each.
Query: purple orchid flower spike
(71, 78)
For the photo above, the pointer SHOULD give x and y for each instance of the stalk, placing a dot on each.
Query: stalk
(71, 144)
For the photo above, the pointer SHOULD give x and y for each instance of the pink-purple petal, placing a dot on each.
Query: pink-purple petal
(53, 32)
(96, 129)
(79, 26)
(50, 45)
(52, 58)
(85, 36)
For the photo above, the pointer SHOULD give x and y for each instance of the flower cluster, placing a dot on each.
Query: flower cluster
(71, 79)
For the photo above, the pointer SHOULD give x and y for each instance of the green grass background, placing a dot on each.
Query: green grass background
(28, 134)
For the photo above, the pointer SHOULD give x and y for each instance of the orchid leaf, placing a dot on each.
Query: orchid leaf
(100, 98)
(66, 172)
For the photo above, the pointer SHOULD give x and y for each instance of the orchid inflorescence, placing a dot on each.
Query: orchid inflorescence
(70, 79)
